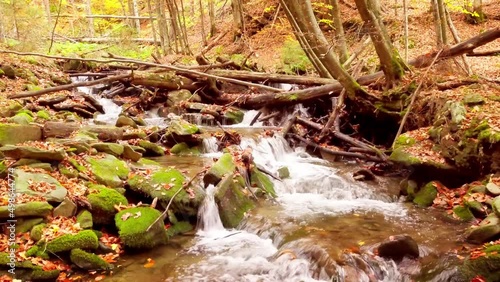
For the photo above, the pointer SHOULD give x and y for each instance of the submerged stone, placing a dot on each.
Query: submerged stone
(397, 247)
(133, 224)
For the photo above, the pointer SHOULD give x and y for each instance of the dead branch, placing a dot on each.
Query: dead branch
(69, 86)
(484, 53)
(169, 67)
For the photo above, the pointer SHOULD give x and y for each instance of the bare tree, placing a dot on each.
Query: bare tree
(211, 15)
(88, 10)
(238, 20)
(339, 31)
(390, 61)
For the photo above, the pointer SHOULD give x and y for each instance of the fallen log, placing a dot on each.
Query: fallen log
(334, 153)
(465, 47)
(167, 81)
(69, 86)
(271, 77)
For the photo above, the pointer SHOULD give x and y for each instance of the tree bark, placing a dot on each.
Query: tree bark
(271, 77)
(390, 61)
(339, 31)
(238, 20)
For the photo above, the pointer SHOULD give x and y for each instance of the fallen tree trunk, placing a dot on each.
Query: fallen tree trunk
(167, 81)
(465, 47)
(271, 77)
(68, 86)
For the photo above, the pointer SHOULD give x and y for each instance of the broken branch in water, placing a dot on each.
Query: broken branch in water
(69, 86)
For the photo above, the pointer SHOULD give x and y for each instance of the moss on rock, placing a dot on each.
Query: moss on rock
(85, 239)
(109, 148)
(88, 261)
(151, 148)
(426, 195)
(133, 223)
(224, 165)
(163, 184)
(109, 170)
(262, 181)
(37, 232)
(486, 230)
(103, 201)
(231, 200)
(84, 218)
(184, 149)
(38, 209)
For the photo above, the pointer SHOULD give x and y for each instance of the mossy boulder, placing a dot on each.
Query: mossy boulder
(109, 148)
(37, 232)
(179, 227)
(18, 152)
(8, 71)
(67, 208)
(182, 127)
(132, 227)
(151, 148)
(86, 239)
(488, 228)
(24, 179)
(36, 251)
(233, 115)
(88, 261)
(177, 96)
(232, 200)
(84, 218)
(495, 205)
(10, 108)
(102, 201)
(125, 121)
(38, 209)
(487, 267)
(493, 189)
(24, 225)
(463, 213)
(224, 166)
(27, 271)
(163, 184)
(12, 134)
(43, 115)
(67, 171)
(184, 149)
(22, 118)
(131, 154)
(262, 181)
(426, 195)
(109, 170)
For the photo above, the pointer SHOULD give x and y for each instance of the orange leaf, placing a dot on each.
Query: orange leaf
(150, 263)
(99, 278)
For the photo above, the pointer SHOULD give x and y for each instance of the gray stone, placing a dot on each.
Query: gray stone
(66, 208)
(19, 152)
(12, 134)
(23, 180)
(397, 247)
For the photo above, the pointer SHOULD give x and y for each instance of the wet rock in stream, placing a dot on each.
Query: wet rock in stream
(397, 247)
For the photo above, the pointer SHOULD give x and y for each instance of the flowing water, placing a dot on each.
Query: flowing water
(323, 226)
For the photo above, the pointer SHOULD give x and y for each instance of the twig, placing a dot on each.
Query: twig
(55, 24)
(413, 98)
(169, 67)
(172, 199)
(69, 86)
(255, 118)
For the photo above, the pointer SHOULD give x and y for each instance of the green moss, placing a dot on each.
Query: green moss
(463, 213)
(85, 239)
(489, 136)
(21, 118)
(77, 165)
(179, 228)
(37, 232)
(103, 203)
(233, 115)
(133, 224)
(69, 172)
(151, 148)
(84, 218)
(223, 166)
(400, 156)
(183, 149)
(88, 261)
(109, 170)
(38, 209)
(487, 266)
(26, 224)
(404, 140)
(262, 181)
(109, 148)
(426, 195)
(36, 251)
(232, 202)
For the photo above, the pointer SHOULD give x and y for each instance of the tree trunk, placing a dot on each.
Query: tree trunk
(339, 31)
(162, 27)
(153, 29)
(135, 6)
(88, 10)
(46, 6)
(390, 61)
(211, 14)
(442, 22)
(302, 14)
(202, 19)
(238, 20)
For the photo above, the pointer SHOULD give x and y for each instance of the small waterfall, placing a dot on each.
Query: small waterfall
(209, 145)
(208, 216)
